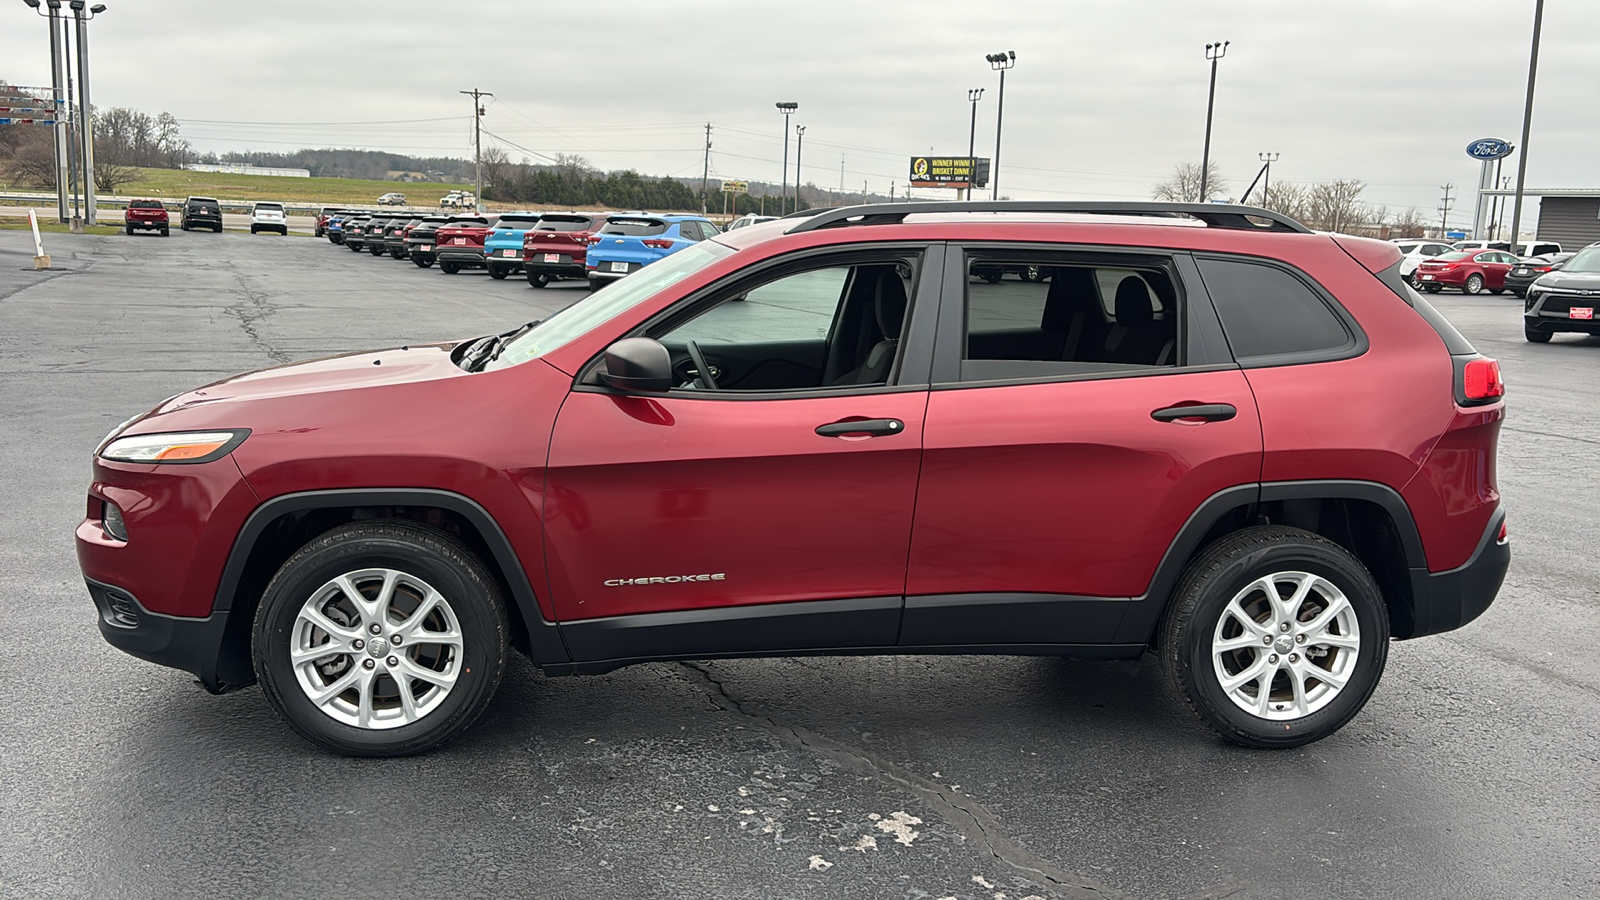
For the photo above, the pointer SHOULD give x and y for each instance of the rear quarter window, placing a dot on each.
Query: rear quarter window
(1272, 317)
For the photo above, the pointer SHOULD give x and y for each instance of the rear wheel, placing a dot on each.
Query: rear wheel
(498, 273)
(449, 268)
(380, 638)
(1536, 336)
(421, 262)
(1433, 288)
(254, 229)
(1474, 284)
(538, 279)
(217, 228)
(1275, 637)
(128, 228)
(1497, 290)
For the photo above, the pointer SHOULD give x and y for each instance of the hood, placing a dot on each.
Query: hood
(1570, 281)
(405, 365)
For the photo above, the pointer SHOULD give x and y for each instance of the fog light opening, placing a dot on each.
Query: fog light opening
(112, 524)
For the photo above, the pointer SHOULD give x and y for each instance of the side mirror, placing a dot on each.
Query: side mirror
(638, 364)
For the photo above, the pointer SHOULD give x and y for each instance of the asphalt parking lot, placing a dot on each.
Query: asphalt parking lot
(1473, 772)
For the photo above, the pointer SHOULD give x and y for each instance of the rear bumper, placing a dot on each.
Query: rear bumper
(1448, 279)
(192, 645)
(467, 256)
(1445, 601)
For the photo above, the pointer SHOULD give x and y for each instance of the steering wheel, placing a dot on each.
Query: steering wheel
(702, 372)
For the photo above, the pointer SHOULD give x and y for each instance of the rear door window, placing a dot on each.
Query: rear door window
(1273, 317)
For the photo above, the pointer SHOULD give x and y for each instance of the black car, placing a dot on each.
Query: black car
(374, 233)
(200, 212)
(1566, 299)
(1533, 268)
(394, 234)
(355, 232)
(419, 243)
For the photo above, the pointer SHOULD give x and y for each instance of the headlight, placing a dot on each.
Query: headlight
(174, 447)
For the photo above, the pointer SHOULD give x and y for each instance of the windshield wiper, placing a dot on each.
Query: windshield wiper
(487, 349)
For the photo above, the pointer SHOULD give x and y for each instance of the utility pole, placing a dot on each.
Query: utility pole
(705, 173)
(1000, 62)
(787, 107)
(73, 121)
(1266, 178)
(1444, 211)
(973, 96)
(1214, 52)
(58, 67)
(799, 142)
(863, 192)
(841, 178)
(477, 142)
(85, 127)
(1527, 120)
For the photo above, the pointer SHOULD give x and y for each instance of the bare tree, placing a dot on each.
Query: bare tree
(32, 159)
(1336, 205)
(108, 176)
(1184, 185)
(574, 167)
(1287, 198)
(1409, 224)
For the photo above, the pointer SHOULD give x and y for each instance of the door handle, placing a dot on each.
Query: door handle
(872, 427)
(1211, 412)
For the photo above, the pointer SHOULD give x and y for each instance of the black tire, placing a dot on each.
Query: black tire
(538, 279)
(254, 229)
(166, 231)
(183, 226)
(1536, 336)
(992, 276)
(128, 228)
(449, 268)
(1473, 284)
(595, 284)
(1433, 288)
(1226, 570)
(376, 250)
(422, 263)
(1414, 281)
(398, 254)
(217, 228)
(1497, 290)
(435, 558)
(498, 273)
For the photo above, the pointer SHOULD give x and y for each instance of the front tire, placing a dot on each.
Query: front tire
(1474, 284)
(1433, 288)
(1275, 637)
(414, 632)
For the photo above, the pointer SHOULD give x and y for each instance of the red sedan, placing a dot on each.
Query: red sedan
(1473, 271)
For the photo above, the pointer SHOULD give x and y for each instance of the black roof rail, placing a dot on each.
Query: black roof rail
(1215, 215)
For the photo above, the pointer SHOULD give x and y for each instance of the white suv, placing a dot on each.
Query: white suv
(269, 217)
(1416, 250)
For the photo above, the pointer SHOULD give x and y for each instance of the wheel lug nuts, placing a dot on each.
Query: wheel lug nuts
(1294, 657)
(357, 644)
(396, 640)
(1266, 639)
(1273, 659)
(393, 661)
(377, 628)
(366, 664)
(1283, 626)
(1299, 639)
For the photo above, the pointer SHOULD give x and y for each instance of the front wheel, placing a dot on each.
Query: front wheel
(1474, 284)
(1275, 637)
(1414, 281)
(1536, 336)
(380, 638)
(1433, 288)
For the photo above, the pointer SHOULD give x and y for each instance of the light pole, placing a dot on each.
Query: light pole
(799, 142)
(57, 94)
(1266, 176)
(973, 96)
(1214, 52)
(786, 107)
(1527, 120)
(1000, 62)
(86, 123)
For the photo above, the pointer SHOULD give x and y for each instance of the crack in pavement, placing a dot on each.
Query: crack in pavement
(254, 308)
(967, 815)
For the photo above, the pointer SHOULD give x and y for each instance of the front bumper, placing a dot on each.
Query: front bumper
(1445, 601)
(1552, 312)
(192, 645)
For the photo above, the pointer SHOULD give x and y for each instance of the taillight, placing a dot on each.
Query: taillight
(1449, 266)
(594, 239)
(1480, 380)
(658, 243)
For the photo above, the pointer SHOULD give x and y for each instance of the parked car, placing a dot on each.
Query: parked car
(146, 215)
(266, 216)
(502, 249)
(458, 244)
(419, 240)
(555, 248)
(458, 200)
(335, 228)
(1564, 299)
(200, 212)
(1529, 270)
(1473, 271)
(1416, 250)
(628, 242)
(654, 473)
(355, 232)
(1523, 248)
(392, 199)
(376, 230)
(319, 225)
(394, 235)
(747, 220)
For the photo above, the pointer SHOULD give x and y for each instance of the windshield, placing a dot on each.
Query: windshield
(599, 308)
(1586, 261)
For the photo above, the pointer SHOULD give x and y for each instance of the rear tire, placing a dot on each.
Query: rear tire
(128, 229)
(1433, 288)
(1536, 336)
(449, 268)
(166, 231)
(498, 273)
(538, 279)
(1279, 669)
(422, 263)
(217, 228)
(401, 697)
(1473, 285)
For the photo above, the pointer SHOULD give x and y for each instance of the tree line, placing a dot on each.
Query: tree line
(1320, 206)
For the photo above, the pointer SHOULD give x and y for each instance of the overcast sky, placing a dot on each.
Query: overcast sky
(1106, 96)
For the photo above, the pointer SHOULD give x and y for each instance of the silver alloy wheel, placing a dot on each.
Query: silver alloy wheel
(376, 648)
(1285, 645)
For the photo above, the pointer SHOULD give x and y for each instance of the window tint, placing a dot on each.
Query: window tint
(690, 231)
(1435, 249)
(563, 223)
(144, 204)
(635, 227)
(709, 229)
(1033, 319)
(1406, 248)
(1267, 312)
(516, 222)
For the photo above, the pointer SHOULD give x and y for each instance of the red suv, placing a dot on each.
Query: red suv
(1204, 431)
(556, 246)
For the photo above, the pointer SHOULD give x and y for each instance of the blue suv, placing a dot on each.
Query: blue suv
(502, 247)
(628, 242)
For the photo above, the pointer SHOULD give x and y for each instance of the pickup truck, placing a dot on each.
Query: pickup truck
(148, 215)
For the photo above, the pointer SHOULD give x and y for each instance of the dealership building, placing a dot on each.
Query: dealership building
(1568, 216)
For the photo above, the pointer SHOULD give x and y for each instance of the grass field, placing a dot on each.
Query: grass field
(176, 184)
(57, 227)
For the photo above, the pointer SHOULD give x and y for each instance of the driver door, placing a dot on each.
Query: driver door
(768, 506)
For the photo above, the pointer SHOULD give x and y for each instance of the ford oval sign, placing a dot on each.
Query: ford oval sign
(1488, 148)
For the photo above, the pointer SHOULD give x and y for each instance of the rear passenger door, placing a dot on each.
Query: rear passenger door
(1073, 426)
